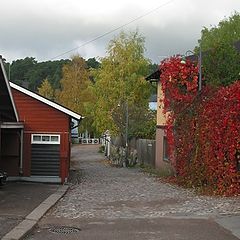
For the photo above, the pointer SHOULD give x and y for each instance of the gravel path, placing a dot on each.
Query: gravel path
(100, 191)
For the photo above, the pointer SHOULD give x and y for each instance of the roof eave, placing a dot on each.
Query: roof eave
(46, 101)
(154, 77)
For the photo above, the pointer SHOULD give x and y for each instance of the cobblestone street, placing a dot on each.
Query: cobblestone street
(109, 192)
(108, 198)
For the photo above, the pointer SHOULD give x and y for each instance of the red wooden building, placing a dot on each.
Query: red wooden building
(41, 137)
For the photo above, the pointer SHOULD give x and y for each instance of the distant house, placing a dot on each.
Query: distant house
(153, 102)
(36, 135)
(74, 131)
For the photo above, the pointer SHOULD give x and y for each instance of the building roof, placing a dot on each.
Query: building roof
(46, 101)
(154, 77)
(7, 105)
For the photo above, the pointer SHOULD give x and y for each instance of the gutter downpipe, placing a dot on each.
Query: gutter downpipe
(21, 153)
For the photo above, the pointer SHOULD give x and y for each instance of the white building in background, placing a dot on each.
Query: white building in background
(153, 102)
(74, 131)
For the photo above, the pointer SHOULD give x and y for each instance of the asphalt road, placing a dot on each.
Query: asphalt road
(18, 199)
(107, 203)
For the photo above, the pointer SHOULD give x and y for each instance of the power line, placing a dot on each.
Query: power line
(113, 30)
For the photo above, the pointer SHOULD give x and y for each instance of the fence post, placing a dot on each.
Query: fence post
(107, 144)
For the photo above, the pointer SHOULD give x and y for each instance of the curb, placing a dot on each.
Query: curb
(32, 219)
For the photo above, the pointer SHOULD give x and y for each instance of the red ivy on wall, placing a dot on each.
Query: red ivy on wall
(203, 130)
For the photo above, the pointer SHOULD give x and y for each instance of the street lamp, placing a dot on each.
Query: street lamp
(199, 66)
(126, 135)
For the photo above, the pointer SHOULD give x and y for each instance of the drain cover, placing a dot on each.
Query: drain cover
(64, 230)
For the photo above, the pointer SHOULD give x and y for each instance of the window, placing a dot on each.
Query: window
(45, 139)
(54, 138)
(36, 138)
(165, 149)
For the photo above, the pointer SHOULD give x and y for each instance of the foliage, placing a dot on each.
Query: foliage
(31, 73)
(203, 138)
(120, 84)
(221, 58)
(146, 125)
(152, 67)
(179, 81)
(93, 63)
(179, 84)
(219, 138)
(75, 90)
(46, 90)
(20, 67)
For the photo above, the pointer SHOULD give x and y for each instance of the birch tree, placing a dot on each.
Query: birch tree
(75, 90)
(120, 87)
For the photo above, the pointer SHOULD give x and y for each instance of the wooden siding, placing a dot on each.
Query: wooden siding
(39, 116)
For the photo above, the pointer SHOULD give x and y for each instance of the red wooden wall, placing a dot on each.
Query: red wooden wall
(39, 117)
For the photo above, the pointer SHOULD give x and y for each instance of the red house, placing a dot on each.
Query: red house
(40, 139)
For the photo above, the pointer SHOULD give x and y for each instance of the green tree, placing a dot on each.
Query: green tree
(31, 73)
(221, 58)
(75, 90)
(46, 90)
(120, 85)
(49, 69)
(20, 69)
(93, 63)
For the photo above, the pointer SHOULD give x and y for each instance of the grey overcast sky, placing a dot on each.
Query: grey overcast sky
(47, 28)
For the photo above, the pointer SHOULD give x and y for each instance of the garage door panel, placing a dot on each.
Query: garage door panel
(45, 160)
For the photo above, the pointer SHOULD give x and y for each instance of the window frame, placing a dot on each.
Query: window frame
(165, 149)
(45, 135)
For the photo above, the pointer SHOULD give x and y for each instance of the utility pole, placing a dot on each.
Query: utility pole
(126, 136)
(200, 69)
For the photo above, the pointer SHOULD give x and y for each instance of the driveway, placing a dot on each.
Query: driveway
(18, 199)
(105, 202)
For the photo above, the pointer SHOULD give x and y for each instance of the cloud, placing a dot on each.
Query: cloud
(45, 29)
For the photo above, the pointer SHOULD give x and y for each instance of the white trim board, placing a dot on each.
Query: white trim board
(46, 101)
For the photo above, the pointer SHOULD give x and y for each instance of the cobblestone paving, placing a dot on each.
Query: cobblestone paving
(105, 192)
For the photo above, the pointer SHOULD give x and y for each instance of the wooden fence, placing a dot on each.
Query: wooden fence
(143, 148)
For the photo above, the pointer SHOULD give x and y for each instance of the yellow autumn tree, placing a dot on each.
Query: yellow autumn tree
(75, 90)
(46, 90)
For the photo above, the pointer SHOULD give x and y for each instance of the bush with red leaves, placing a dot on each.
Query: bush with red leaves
(203, 129)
